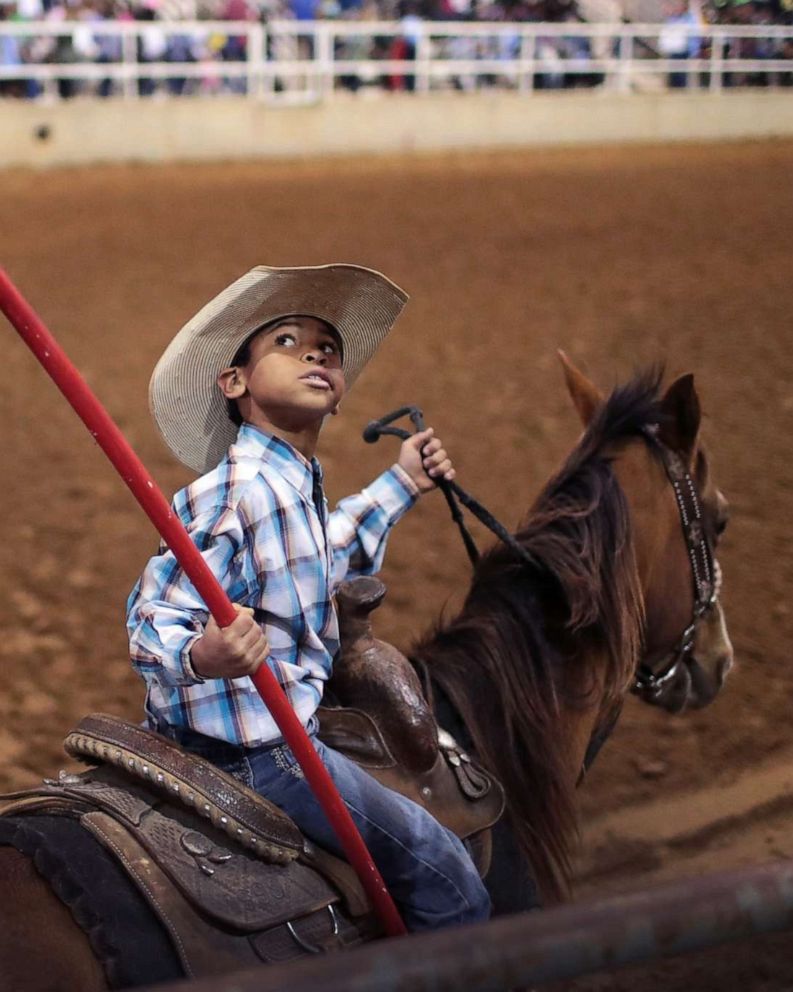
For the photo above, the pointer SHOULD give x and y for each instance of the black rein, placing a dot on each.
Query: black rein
(452, 492)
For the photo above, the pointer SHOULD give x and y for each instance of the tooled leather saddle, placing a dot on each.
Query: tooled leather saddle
(229, 876)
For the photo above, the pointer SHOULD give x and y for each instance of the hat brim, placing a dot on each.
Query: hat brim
(185, 399)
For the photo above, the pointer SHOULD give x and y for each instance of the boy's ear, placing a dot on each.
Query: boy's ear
(232, 383)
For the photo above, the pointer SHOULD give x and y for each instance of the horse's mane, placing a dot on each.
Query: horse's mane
(515, 657)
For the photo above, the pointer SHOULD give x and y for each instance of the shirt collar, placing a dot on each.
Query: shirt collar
(253, 442)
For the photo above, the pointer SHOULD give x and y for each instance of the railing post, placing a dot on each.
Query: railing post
(284, 45)
(323, 56)
(129, 61)
(423, 59)
(49, 88)
(528, 60)
(771, 76)
(269, 55)
(625, 54)
(611, 76)
(716, 58)
(253, 52)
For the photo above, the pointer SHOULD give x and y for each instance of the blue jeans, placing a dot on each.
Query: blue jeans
(425, 867)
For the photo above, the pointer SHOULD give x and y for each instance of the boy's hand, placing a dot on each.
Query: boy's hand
(424, 459)
(230, 652)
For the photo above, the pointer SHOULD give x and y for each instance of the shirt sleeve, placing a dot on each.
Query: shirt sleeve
(359, 526)
(165, 613)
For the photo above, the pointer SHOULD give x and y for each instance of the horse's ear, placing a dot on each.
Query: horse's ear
(584, 393)
(681, 416)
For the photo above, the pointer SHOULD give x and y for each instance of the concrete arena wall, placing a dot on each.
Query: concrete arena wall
(82, 131)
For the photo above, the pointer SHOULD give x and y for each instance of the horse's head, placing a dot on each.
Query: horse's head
(678, 516)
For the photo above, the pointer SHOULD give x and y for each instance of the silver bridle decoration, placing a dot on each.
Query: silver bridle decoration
(705, 572)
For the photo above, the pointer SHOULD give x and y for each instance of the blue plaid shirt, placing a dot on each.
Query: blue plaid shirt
(261, 523)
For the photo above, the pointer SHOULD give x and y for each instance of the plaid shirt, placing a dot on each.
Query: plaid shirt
(261, 522)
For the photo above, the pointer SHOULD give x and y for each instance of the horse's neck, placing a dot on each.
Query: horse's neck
(591, 720)
(499, 645)
(532, 736)
(578, 724)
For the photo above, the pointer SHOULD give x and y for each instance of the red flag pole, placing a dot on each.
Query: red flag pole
(107, 435)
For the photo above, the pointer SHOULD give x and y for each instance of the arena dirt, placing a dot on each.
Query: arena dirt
(622, 257)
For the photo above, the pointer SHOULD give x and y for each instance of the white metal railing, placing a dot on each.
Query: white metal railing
(306, 61)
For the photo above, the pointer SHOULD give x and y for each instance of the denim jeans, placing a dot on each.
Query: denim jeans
(425, 867)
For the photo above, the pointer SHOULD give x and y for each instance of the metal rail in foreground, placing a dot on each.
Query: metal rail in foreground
(531, 948)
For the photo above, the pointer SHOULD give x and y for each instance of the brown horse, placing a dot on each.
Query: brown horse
(533, 671)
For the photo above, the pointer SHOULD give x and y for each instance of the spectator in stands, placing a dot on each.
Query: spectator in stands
(30, 10)
(235, 46)
(748, 13)
(678, 40)
(106, 48)
(305, 10)
(152, 44)
(62, 49)
(601, 46)
(782, 13)
(404, 45)
(182, 46)
(10, 52)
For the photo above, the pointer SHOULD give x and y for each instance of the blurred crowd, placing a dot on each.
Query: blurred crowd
(84, 44)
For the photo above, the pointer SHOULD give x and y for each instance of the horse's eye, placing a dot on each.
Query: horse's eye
(722, 514)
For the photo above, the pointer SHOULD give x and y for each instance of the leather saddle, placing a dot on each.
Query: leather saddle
(229, 876)
(387, 726)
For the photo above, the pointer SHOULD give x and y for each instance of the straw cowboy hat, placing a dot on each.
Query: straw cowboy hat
(185, 399)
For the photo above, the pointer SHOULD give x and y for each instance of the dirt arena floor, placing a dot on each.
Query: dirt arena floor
(621, 256)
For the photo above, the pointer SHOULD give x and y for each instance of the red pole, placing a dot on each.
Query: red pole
(66, 377)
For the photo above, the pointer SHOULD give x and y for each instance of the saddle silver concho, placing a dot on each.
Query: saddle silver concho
(473, 784)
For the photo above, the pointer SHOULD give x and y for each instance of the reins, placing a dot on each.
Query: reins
(453, 493)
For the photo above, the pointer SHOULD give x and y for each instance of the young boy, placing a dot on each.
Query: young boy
(240, 395)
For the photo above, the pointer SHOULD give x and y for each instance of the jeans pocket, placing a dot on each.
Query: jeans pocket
(239, 768)
(285, 760)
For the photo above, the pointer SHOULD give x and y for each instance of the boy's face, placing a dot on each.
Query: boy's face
(293, 378)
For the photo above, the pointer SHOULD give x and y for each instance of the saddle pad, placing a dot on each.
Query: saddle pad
(126, 938)
(165, 767)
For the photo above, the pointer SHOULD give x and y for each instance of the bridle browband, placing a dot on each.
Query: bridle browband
(705, 571)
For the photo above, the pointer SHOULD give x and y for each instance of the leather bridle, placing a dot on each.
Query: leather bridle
(650, 683)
